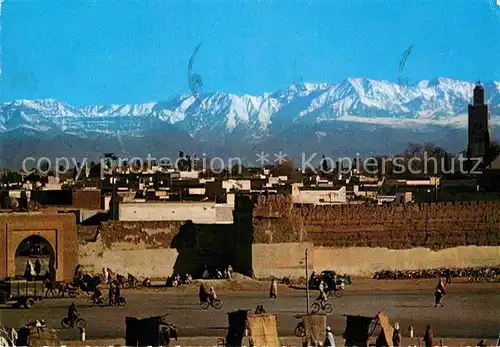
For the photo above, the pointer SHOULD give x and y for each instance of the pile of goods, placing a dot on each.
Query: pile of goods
(484, 274)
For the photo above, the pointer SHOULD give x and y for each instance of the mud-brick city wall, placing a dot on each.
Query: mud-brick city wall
(432, 225)
(360, 239)
(156, 248)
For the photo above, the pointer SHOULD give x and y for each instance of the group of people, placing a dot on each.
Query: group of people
(114, 293)
(396, 337)
(217, 274)
(32, 270)
(210, 295)
(176, 280)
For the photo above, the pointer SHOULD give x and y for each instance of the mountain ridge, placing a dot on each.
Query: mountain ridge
(309, 116)
(430, 100)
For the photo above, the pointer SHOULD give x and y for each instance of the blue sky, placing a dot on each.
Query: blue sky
(102, 52)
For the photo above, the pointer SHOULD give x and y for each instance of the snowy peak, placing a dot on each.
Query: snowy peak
(442, 101)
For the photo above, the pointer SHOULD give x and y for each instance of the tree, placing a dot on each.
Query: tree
(108, 159)
(432, 159)
(285, 168)
(413, 150)
(44, 166)
(324, 165)
(124, 165)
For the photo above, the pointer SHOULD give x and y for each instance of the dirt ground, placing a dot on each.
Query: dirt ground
(285, 341)
(245, 284)
(470, 311)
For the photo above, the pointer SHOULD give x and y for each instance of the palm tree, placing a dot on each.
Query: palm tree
(108, 159)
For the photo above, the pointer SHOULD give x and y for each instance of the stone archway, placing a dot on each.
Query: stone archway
(59, 230)
(31, 249)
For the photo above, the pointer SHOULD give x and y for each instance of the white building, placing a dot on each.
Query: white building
(318, 196)
(197, 212)
(241, 185)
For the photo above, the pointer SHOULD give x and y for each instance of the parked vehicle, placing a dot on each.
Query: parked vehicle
(21, 292)
(334, 283)
(132, 282)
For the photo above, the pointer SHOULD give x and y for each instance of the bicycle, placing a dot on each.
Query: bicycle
(215, 303)
(337, 292)
(80, 323)
(321, 305)
(120, 302)
(102, 301)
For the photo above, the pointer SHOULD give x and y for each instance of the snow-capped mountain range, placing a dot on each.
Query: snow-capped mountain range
(441, 102)
(317, 108)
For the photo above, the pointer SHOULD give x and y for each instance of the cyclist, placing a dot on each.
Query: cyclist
(97, 295)
(212, 296)
(117, 293)
(203, 294)
(323, 297)
(111, 293)
(72, 314)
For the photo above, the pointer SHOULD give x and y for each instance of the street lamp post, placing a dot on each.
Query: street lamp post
(113, 196)
(307, 279)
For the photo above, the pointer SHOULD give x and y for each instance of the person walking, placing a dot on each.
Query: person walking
(110, 277)
(203, 294)
(440, 292)
(111, 293)
(396, 336)
(273, 291)
(38, 267)
(13, 336)
(448, 276)
(32, 268)
(117, 293)
(27, 271)
(429, 337)
(329, 338)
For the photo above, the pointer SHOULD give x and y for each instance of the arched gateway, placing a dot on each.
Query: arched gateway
(51, 238)
(32, 250)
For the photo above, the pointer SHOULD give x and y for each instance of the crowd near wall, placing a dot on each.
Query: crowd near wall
(155, 249)
(270, 235)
